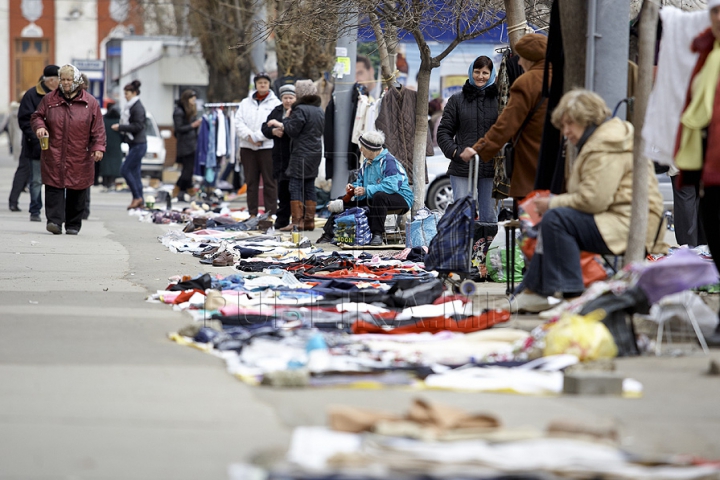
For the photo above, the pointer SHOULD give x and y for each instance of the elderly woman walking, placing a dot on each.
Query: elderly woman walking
(132, 126)
(71, 120)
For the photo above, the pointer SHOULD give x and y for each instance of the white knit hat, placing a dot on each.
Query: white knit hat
(712, 4)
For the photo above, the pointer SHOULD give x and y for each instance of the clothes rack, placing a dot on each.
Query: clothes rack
(214, 105)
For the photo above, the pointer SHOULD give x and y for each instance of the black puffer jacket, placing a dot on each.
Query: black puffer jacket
(466, 118)
(281, 145)
(305, 127)
(185, 133)
(136, 125)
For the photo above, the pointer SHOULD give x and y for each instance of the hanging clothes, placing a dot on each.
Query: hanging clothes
(221, 149)
(203, 141)
(360, 117)
(397, 121)
(674, 68)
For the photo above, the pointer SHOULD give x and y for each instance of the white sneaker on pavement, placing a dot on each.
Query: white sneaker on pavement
(529, 303)
(556, 311)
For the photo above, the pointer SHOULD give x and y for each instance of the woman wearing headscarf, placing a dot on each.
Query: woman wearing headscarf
(186, 125)
(468, 115)
(132, 126)
(72, 120)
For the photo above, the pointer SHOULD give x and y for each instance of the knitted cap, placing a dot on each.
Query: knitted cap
(532, 47)
(51, 71)
(304, 88)
(287, 90)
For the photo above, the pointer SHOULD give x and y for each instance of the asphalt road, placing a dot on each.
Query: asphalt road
(91, 388)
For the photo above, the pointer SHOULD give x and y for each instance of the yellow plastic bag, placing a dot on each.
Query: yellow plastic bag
(583, 336)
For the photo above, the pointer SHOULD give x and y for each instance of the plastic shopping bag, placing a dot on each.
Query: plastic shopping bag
(586, 337)
(423, 227)
(497, 258)
(352, 228)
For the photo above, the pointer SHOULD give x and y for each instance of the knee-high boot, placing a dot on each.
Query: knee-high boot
(310, 208)
(296, 209)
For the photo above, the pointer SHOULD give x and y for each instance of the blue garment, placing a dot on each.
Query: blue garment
(487, 209)
(202, 146)
(384, 174)
(211, 159)
(130, 169)
(489, 82)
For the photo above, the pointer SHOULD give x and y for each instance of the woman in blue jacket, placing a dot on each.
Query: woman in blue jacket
(381, 185)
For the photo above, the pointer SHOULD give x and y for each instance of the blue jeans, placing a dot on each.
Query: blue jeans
(302, 190)
(555, 267)
(131, 167)
(486, 204)
(36, 189)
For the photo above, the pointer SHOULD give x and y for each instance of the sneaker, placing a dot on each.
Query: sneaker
(377, 240)
(53, 228)
(14, 208)
(324, 239)
(555, 311)
(35, 218)
(71, 231)
(529, 303)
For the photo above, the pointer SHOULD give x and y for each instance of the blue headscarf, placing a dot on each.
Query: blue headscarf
(490, 81)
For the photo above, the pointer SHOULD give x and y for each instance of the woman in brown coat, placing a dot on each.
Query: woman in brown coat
(72, 120)
(525, 94)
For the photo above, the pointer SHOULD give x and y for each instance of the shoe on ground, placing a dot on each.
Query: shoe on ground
(377, 240)
(525, 302)
(71, 231)
(35, 218)
(324, 239)
(15, 208)
(555, 311)
(225, 259)
(53, 228)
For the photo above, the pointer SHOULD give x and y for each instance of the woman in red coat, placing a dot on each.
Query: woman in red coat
(72, 120)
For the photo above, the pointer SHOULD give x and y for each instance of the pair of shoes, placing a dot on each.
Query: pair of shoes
(15, 208)
(71, 231)
(555, 311)
(206, 252)
(53, 228)
(35, 218)
(324, 239)
(136, 203)
(376, 240)
(529, 303)
(225, 259)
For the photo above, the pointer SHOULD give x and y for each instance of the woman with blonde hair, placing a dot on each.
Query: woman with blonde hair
(594, 214)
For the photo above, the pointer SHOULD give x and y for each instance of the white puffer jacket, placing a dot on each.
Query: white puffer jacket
(249, 118)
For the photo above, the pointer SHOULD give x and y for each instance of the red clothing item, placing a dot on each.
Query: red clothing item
(438, 324)
(76, 130)
(703, 44)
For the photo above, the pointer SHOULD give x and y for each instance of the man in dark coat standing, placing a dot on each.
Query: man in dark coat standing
(29, 165)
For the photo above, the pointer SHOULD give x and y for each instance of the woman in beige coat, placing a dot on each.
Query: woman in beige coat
(594, 214)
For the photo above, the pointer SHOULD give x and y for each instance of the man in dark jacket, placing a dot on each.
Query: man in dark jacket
(29, 165)
(281, 153)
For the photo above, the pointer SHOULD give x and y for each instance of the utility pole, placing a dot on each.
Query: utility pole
(639, 217)
(516, 20)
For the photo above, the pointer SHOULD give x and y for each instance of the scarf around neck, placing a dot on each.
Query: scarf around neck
(125, 115)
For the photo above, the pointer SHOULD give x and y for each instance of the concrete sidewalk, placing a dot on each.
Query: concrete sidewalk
(91, 388)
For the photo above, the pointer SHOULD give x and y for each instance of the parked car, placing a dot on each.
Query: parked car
(154, 160)
(439, 191)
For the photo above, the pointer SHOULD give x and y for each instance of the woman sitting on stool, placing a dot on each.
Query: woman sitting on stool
(382, 185)
(594, 214)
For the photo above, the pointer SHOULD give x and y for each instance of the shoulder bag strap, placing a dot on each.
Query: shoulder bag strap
(527, 120)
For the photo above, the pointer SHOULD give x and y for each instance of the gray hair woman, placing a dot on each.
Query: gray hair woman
(72, 120)
(594, 214)
(381, 185)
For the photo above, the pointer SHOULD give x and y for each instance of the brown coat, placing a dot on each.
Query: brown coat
(76, 130)
(601, 184)
(524, 95)
(396, 120)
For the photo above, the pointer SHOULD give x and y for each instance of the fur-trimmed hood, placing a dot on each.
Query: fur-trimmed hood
(313, 100)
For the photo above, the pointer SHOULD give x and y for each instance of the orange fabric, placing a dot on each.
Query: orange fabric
(438, 324)
(185, 296)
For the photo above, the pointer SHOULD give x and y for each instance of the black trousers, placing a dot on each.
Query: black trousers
(283, 213)
(686, 208)
(64, 205)
(23, 174)
(188, 165)
(710, 215)
(379, 205)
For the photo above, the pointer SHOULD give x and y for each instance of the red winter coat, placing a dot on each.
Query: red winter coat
(76, 130)
(703, 44)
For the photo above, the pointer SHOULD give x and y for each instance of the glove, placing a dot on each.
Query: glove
(336, 206)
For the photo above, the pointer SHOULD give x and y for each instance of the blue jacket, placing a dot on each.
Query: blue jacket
(384, 174)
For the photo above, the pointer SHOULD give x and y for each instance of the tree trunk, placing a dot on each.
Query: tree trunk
(387, 48)
(573, 17)
(639, 219)
(514, 17)
(421, 132)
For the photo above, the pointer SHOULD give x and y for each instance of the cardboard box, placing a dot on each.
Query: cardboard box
(170, 175)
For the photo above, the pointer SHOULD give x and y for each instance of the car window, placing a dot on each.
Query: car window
(149, 128)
